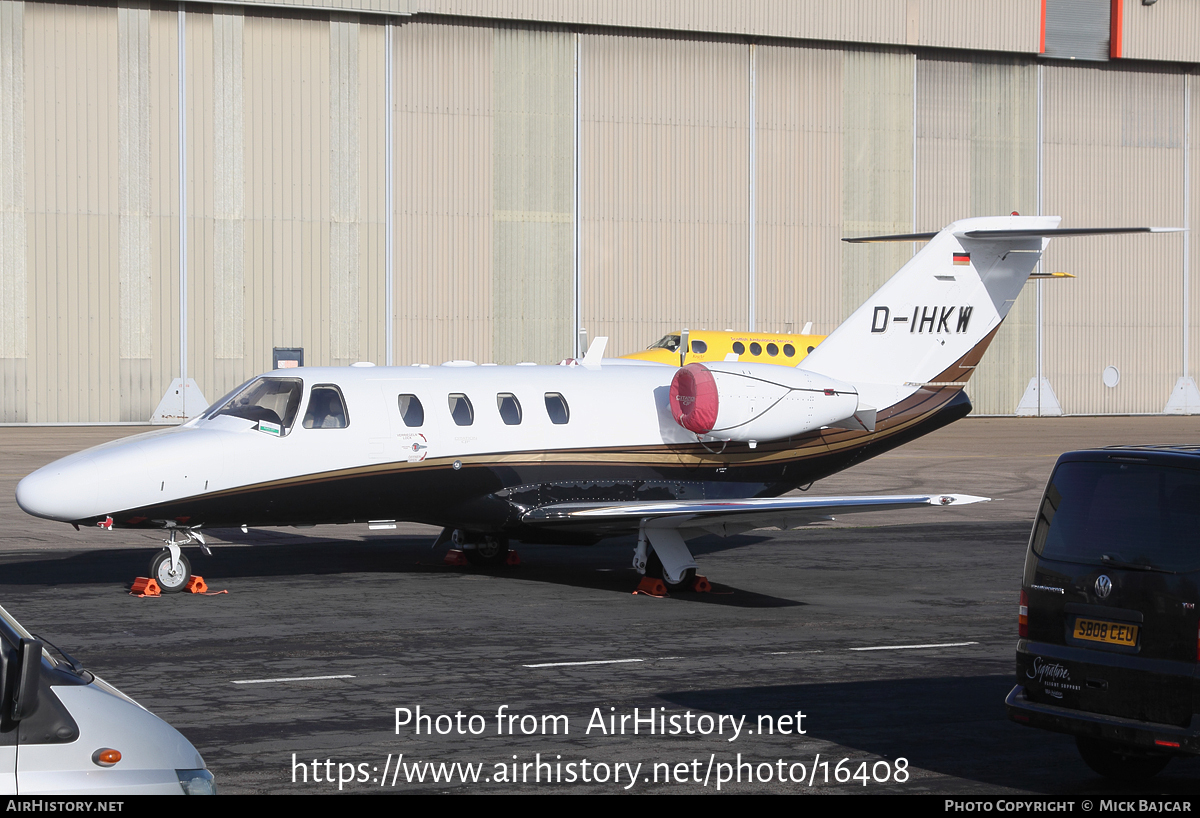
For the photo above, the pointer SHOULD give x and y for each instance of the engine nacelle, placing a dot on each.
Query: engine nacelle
(753, 402)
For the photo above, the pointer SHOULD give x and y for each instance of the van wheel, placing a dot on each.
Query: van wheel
(654, 570)
(170, 581)
(489, 552)
(1120, 763)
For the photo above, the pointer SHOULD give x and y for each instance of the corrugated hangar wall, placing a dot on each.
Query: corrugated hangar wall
(544, 180)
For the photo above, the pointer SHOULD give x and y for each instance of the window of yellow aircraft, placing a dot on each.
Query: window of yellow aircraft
(556, 408)
(699, 347)
(510, 408)
(461, 409)
(739, 347)
(756, 348)
(411, 410)
(772, 350)
(789, 350)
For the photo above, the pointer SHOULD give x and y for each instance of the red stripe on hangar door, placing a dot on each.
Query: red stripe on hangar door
(694, 398)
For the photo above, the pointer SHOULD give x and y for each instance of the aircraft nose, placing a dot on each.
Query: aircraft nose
(64, 491)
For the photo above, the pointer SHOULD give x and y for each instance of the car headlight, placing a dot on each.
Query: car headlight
(197, 782)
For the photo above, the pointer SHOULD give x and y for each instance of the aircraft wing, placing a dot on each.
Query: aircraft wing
(724, 517)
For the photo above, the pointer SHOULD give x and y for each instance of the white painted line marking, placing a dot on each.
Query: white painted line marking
(596, 662)
(790, 652)
(289, 679)
(914, 647)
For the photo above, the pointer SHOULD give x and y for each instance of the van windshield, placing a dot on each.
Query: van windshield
(1126, 515)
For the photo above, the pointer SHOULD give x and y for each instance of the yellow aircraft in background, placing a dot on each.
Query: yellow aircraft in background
(781, 348)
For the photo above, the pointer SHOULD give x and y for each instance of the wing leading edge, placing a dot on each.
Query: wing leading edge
(724, 517)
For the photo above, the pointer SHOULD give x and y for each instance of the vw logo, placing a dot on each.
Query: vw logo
(1103, 586)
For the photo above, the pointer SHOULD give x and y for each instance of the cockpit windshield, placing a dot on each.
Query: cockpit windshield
(274, 400)
(668, 342)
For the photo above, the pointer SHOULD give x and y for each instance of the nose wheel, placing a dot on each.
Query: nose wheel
(171, 575)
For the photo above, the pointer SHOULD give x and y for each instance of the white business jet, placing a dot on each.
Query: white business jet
(572, 454)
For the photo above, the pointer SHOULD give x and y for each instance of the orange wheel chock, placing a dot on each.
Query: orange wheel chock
(513, 558)
(455, 556)
(197, 585)
(652, 587)
(701, 585)
(144, 587)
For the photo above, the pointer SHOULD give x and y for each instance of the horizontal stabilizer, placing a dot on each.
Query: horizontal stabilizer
(1019, 234)
(897, 237)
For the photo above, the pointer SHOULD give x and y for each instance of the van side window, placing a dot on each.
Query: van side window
(326, 409)
(556, 408)
(461, 409)
(411, 410)
(510, 408)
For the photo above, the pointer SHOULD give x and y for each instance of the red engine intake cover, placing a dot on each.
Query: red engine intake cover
(694, 398)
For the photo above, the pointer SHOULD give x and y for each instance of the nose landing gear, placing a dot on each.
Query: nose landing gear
(170, 568)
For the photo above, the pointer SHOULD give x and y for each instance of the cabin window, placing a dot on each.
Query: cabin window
(326, 408)
(510, 408)
(756, 348)
(772, 350)
(789, 350)
(556, 408)
(739, 347)
(810, 349)
(411, 410)
(699, 347)
(270, 400)
(461, 409)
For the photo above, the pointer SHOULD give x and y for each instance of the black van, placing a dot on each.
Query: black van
(1109, 626)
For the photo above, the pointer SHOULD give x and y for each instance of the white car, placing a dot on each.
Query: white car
(65, 731)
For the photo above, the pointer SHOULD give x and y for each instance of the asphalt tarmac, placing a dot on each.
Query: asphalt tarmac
(892, 633)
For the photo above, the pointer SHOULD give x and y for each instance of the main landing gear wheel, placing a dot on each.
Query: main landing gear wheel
(170, 580)
(654, 570)
(489, 552)
(1119, 763)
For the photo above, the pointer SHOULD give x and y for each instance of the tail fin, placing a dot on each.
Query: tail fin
(932, 321)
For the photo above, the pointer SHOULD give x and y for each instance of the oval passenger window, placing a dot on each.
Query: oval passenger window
(556, 408)
(411, 410)
(461, 409)
(739, 347)
(510, 408)
(772, 350)
(789, 350)
(756, 348)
